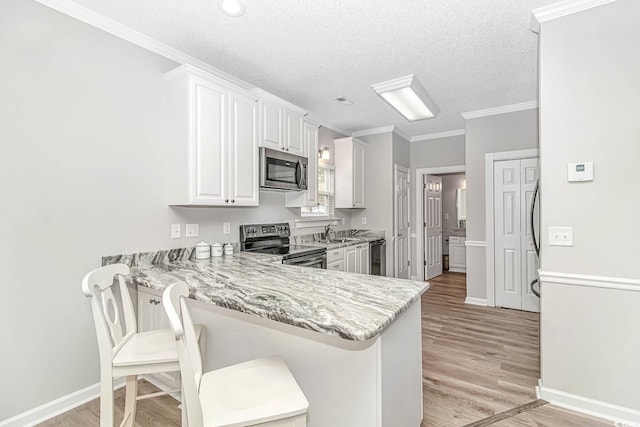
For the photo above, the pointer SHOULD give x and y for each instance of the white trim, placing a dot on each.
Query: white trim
(419, 222)
(381, 130)
(438, 135)
(48, 410)
(117, 29)
(604, 282)
(457, 270)
(373, 131)
(261, 93)
(137, 38)
(560, 9)
(587, 406)
(500, 110)
(476, 243)
(475, 301)
(490, 158)
(400, 168)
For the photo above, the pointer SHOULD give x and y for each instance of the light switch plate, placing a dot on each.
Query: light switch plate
(175, 231)
(226, 228)
(446, 216)
(364, 220)
(191, 230)
(560, 236)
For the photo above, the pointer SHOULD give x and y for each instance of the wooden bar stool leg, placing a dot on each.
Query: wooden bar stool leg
(106, 401)
(130, 401)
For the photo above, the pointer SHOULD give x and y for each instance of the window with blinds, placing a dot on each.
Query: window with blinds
(326, 198)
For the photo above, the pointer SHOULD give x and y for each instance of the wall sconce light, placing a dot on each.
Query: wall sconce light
(324, 154)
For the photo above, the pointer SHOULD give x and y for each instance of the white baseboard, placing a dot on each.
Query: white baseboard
(58, 406)
(457, 270)
(588, 406)
(475, 301)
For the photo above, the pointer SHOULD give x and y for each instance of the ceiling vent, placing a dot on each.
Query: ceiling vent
(344, 101)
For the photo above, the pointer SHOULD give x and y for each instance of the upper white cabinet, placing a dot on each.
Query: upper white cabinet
(350, 173)
(281, 125)
(214, 141)
(309, 197)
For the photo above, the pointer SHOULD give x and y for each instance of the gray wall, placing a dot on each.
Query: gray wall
(438, 152)
(431, 153)
(503, 132)
(590, 63)
(82, 123)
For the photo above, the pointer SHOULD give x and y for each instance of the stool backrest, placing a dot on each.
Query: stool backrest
(174, 300)
(111, 331)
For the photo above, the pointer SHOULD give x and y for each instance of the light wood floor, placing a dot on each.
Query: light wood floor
(480, 366)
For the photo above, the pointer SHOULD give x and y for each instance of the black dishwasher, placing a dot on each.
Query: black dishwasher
(378, 256)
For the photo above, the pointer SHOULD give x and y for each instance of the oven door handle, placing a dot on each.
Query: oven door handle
(307, 264)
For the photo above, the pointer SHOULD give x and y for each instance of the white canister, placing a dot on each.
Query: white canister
(203, 250)
(216, 250)
(228, 249)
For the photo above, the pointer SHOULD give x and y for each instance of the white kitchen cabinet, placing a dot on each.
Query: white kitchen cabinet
(309, 197)
(281, 124)
(350, 156)
(214, 141)
(457, 254)
(356, 258)
(151, 315)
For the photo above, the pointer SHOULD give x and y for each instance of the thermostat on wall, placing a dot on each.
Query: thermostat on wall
(580, 172)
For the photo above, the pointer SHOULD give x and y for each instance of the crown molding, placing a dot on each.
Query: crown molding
(437, 135)
(560, 9)
(373, 131)
(380, 130)
(137, 38)
(500, 110)
(112, 27)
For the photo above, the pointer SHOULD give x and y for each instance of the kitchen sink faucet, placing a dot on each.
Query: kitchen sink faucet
(327, 228)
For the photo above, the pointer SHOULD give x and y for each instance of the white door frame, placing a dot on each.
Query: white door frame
(490, 159)
(397, 167)
(419, 214)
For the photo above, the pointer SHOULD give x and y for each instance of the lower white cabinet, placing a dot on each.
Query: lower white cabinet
(151, 315)
(356, 258)
(457, 254)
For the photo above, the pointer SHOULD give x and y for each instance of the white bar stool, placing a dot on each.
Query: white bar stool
(123, 350)
(261, 392)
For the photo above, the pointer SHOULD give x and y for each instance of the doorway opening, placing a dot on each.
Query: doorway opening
(441, 220)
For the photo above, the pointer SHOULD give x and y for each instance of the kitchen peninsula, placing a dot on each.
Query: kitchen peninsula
(352, 341)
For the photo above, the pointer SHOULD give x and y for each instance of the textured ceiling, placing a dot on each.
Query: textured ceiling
(469, 55)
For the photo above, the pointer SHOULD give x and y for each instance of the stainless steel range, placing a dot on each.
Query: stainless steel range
(274, 239)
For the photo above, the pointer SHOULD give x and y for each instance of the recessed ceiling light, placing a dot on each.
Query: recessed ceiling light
(408, 97)
(343, 100)
(233, 8)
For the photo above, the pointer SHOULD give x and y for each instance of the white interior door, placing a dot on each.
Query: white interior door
(529, 174)
(432, 213)
(515, 259)
(401, 222)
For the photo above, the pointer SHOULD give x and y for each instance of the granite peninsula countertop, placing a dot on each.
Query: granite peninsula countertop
(352, 306)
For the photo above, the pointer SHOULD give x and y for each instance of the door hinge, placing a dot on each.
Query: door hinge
(409, 263)
(424, 186)
(425, 263)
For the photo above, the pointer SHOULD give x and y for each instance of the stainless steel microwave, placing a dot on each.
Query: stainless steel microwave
(282, 171)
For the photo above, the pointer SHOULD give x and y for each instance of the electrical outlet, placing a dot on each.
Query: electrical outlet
(226, 228)
(446, 216)
(191, 230)
(560, 236)
(175, 231)
(364, 220)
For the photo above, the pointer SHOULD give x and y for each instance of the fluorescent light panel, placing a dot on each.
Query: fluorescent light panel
(408, 97)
